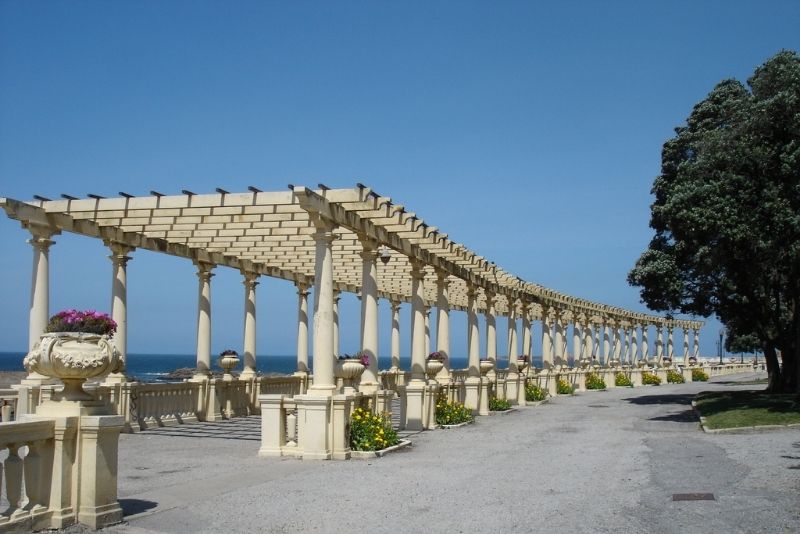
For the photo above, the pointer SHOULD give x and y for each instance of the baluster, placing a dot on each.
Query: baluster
(13, 469)
(34, 478)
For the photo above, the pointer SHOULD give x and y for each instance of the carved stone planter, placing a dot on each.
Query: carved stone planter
(432, 368)
(228, 362)
(522, 365)
(348, 369)
(73, 357)
(486, 366)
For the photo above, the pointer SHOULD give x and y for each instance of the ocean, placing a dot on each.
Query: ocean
(153, 367)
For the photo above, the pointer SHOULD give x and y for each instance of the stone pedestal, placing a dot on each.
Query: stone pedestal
(273, 425)
(314, 414)
(512, 387)
(415, 405)
(483, 405)
(340, 444)
(472, 393)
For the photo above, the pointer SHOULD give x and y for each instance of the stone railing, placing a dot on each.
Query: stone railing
(8, 404)
(161, 404)
(27, 474)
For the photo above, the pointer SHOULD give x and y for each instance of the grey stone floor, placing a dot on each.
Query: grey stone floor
(594, 462)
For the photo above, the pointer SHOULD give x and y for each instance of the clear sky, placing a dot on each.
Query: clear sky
(529, 131)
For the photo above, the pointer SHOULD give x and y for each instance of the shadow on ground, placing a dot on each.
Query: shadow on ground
(674, 398)
(135, 506)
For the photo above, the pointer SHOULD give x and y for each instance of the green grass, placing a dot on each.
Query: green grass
(734, 409)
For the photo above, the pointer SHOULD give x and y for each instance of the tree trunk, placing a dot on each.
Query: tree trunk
(773, 368)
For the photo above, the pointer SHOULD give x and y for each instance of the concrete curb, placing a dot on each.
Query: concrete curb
(738, 429)
(459, 425)
(368, 455)
(502, 412)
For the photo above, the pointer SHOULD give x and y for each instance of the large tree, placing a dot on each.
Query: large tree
(726, 215)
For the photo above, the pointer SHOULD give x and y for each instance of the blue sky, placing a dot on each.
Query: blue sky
(529, 131)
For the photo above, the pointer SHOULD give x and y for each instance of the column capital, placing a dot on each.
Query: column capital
(250, 279)
(441, 277)
(40, 232)
(337, 294)
(302, 288)
(204, 269)
(417, 269)
(395, 304)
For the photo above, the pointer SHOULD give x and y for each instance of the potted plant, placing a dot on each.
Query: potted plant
(75, 346)
(434, 363)
(351, 366)
(228, 359)
(692, 360)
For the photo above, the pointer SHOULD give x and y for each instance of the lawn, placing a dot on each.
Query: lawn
(733, 409)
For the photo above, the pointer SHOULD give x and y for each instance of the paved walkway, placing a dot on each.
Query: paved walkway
(594, 462)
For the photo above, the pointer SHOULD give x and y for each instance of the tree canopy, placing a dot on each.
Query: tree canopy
(726, 215)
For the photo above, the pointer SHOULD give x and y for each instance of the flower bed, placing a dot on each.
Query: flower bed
(622, 380)
(371, 432)
(563, 387)
(698, 375)
(649, 379)
(674, 377)
(451, 413)
(498, 405)
(594, 381)
(534, 393)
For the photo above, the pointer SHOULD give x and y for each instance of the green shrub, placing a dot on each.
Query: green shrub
(498, 405)
(563, 387)
(649, 379)
(698, 375)
(594, 381)
(622, 380)
(451, 413)
(534, 393)
(370, 432)
(674, 377)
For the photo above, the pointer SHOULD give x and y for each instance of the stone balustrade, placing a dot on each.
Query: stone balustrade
(8, 404)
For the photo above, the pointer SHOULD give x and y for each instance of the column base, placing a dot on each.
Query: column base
(415, 405)
(512, 386)
(483, 405)
(472, 393)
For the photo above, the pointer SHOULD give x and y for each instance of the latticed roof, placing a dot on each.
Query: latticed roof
(271, 233)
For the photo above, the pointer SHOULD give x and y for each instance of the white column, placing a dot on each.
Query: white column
(588, 340)
(526, 332)
(204, 275)
(560, 341)
(418, 355)
(685, 346)
(634, 344)
(302, 328)
(670, 345)
(617, 342)
(696, 348)
(645, 344)
(596, 343)
(443, 318)
(336, 297)
(547, 339)
(491, 330)
(415, 390)
(659, 343)
(119, 304)
(395, 335)
(324, 351)
(627, 353)
(606, 343)
(39, 313)
(427, 330)
(576, 342)
(250, 282)
(472, 384)
(369, 315)
(511, 345)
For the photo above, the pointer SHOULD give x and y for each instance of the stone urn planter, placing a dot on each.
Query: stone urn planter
(73, 357)
(348, 368)
(432, 368)
(227, 361)
(486, 366)
(666, 362)
(522, 364)
(614, 364)
(584, 363)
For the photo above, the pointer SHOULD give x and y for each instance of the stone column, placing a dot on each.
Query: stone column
(473, 381)
(204, 275)
(324, 310)
(577, 346)
(547, 340)
(627, 353)
(670, 345)
(415, 390)
(395, 335)
(596, 327)
(685, 346)
(696, 346)
(250, 282)
(443, 319)
(634, 344)
(491, 331)
(560, 340)
(588, 340)
(302, 328)
(119, 304)
(659, 343)
(337, 295)
(369, 315)
(512, 375)
(645, 344)
(606, 343)
(39, 314)
(526, 333)
(617, 342)
(427, 330)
